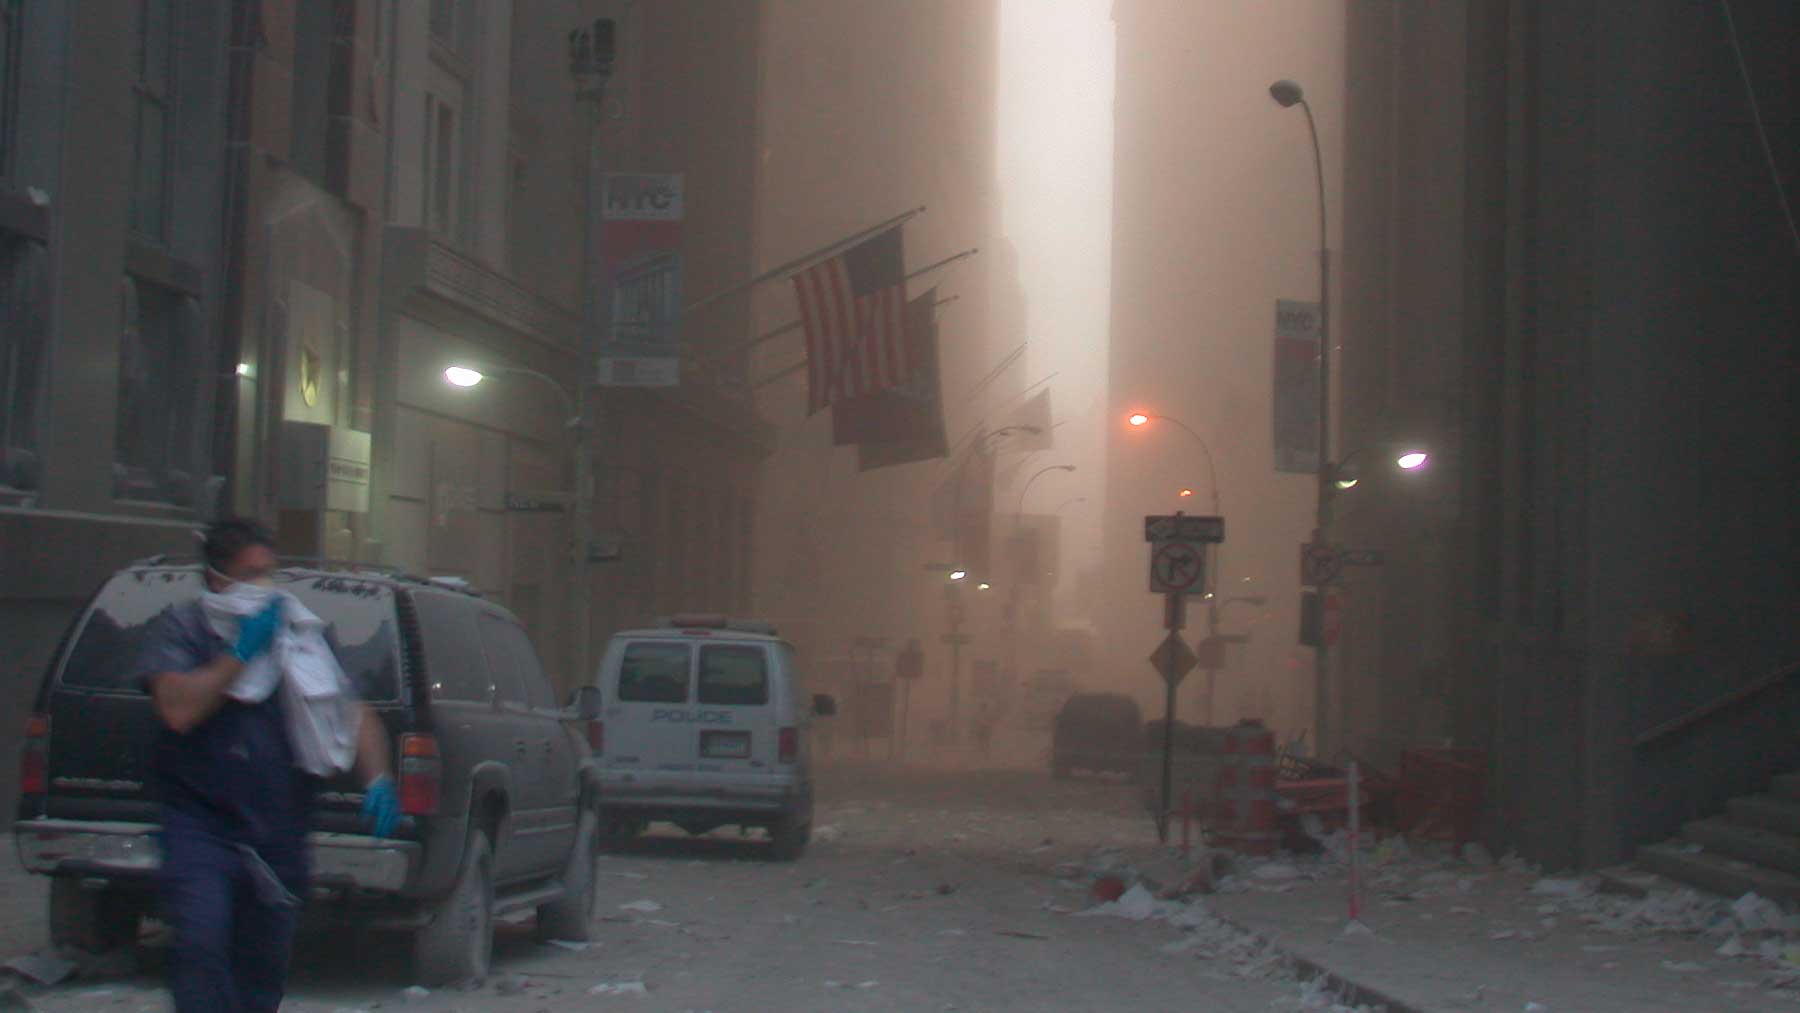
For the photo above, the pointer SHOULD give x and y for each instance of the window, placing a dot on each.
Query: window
(443, 161)
(315, 57)
(734, 675)
(24, 346)
(160, 387)
(152, 109)
(514, 664)
(453, 657)
(12, 29)
(104, 655)
(446, 22)
(654, 673)
(360, 626)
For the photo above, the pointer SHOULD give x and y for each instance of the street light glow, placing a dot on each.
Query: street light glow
(1185, 493)
(1412, 460)
(958, 574)
(1347, 482)
(1139, 419)
(985, 586)
(463, 376)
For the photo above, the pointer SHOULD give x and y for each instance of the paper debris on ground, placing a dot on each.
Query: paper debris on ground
(631, 988)
(42, 968)
(415, 993)
(642, 907)
(572, 945)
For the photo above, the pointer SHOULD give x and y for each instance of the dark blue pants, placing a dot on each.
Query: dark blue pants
(232, 940)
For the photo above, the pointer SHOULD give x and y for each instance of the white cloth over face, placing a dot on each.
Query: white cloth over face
(318, 703)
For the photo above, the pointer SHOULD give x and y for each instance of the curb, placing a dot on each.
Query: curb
(1355, 993)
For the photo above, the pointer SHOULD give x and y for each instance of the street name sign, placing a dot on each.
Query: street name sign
(1173, 659)
(536, 502)
(1182, 528)
(1319, 564)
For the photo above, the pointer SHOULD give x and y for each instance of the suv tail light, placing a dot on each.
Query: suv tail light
(790, 744)
(420, 774)
(597, 737)
(34, 758)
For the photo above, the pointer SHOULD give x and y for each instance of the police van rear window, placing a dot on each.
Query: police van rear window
(733, 676)
(654, 673)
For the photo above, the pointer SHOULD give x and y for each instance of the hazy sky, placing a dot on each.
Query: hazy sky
(1055, 161)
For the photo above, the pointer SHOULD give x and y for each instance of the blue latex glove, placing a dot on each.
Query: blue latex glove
(381, 806)
(257, 632)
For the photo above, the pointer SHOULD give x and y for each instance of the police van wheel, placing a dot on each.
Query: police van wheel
(789, 838)
(96, 921)
(457, 945)
(571, 916)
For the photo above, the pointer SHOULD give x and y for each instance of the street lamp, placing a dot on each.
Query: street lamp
(958, 574)
(581, 505)
(1139, 420)
(1040, 473)
(1288, 94)
(1346, 475)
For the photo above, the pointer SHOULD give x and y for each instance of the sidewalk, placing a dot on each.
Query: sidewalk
(1445, 934)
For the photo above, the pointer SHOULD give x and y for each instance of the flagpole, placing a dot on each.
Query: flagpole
(798, 366)
(794, 325)
(799, 262)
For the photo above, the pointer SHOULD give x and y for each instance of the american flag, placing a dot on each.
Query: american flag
(853, 311)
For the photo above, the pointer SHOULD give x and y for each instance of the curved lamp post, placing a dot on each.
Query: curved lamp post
(1288, 94)
(580, 505)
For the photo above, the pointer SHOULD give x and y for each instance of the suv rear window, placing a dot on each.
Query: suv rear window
(733, 675)
(654, 673)
(358, 615)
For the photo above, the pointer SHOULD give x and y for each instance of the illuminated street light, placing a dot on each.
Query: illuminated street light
(463, 376)
(984, 586)
(1185, 493)
(958, 574)
(1139, 419)
(1412, 460)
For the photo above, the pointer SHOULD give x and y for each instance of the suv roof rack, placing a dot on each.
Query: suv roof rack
(716, 621)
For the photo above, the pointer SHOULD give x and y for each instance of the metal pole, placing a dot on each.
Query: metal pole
(1322, 716)
(581, 592)
(1168, 743)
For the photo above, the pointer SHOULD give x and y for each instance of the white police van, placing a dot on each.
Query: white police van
(702, 725)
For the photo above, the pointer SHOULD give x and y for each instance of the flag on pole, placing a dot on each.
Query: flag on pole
(853, 312)
(909, 411)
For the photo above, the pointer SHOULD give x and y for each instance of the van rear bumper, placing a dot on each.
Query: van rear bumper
(125, 850)
(669, 802)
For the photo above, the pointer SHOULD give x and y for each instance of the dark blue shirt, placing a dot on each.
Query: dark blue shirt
(233, 775)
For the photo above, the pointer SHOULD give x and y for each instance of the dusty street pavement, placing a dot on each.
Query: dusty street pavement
(924, 891)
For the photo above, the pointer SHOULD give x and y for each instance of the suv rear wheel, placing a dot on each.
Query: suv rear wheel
(571, 916)
(93, 920)
(789, 838)
(457, 945)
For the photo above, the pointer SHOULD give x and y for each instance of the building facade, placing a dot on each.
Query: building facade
(240, 243)
(1567, 266)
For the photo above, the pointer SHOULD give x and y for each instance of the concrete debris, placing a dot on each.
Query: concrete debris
(1275, 872)
(1549, 887)
(642, 907)
(1760, 914)
(1682, 967)
(827, 834)
(572, 945)
(510, 984)
(416, 994)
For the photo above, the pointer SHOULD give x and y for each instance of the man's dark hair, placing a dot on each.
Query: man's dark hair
(230, 536)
